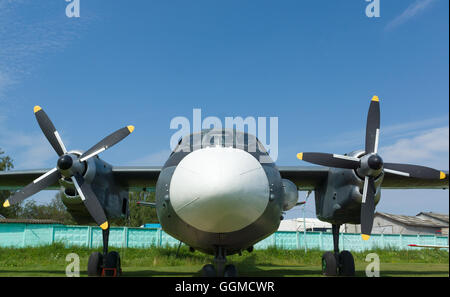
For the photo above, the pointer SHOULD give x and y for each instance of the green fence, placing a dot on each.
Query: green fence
(24, 235)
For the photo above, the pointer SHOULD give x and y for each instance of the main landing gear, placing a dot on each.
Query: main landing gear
(337, 263)
(106, 264)
(220, 268)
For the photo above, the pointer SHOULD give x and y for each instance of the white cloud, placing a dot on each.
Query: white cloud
(38, 155)
(28, 31)
(428, 148)
(414, 9)
(353, 140)
(5, 82)
(29, 150)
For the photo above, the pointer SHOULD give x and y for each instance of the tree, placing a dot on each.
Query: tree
(55, 210)
(6, 163)
(140, 215)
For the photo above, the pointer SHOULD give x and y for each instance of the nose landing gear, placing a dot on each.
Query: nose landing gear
(338, 263)
(220, 268)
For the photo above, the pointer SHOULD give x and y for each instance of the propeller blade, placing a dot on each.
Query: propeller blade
(90, 201)
(367, 207)
(49, 131)
(44, 181)
(414, 171)
(330, 160)
(373, 126)
(107, 142)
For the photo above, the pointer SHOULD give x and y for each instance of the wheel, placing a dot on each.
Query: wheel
(230, 271)
(329, 264)
(208, 271)
(346, 264)
(112, 265)
(95, 264)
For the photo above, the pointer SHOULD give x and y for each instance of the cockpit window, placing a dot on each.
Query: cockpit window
(222, 138)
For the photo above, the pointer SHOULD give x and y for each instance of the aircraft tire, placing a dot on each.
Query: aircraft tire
(95, 264)
(112, 264)
(346, 264)
(230, 271)
(329, 264)
(209, 271)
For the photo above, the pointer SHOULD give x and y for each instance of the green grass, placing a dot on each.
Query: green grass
(51, 261)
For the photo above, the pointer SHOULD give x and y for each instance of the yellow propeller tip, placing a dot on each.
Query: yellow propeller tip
(104, 226)
(300, 156)
(37, 108)
(365, 236)
(443, 175)
(130, 128)
(6, 203)
(375, 98)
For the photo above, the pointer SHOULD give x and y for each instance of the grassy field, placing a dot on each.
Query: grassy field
(51, 261)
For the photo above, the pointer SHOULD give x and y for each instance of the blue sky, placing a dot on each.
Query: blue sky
(313, 64)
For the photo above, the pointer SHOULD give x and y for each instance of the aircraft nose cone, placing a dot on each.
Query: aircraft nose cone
(219, 189)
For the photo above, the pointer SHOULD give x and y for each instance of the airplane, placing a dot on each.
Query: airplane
(219, 192)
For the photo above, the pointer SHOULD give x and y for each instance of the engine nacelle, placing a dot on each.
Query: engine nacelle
(98, 173)
(338, 199)
(290, 194)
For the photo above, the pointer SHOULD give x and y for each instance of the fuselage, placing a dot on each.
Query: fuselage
(219, 188)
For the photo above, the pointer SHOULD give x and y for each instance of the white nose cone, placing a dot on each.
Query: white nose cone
(219, 189)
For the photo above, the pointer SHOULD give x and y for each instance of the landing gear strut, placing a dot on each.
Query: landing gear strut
(220, 268)
(337, 263)
(106, 264)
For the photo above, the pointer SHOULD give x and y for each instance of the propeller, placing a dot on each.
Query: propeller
(370, 166)
(70, 166)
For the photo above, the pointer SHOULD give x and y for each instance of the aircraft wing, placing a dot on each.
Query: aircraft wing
(310, 177)
(305, 177)
(17, 179)
(136, 178)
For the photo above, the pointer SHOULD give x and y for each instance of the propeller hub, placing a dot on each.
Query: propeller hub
(65, 162)
(69, 165)
(375, 162)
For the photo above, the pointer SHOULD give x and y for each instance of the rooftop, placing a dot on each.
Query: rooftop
(437, 216)
(28, 221)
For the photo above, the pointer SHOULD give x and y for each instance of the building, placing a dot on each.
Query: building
(298, 224)
(425, 223)
(386, 223)
(436, 217)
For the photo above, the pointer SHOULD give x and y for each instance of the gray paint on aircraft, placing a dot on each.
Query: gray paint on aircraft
(207, 242)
